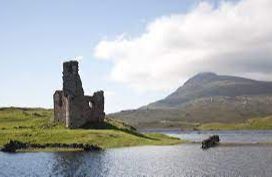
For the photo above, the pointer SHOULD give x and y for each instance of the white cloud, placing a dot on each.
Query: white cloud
(234, 38)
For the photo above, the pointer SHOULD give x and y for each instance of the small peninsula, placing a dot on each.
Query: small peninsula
(33, 125)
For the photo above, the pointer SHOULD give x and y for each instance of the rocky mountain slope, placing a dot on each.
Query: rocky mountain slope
(205, 98)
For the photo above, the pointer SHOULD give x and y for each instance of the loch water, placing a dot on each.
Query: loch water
(185, 160)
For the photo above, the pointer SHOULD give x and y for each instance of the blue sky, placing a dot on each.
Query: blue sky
(37, 36)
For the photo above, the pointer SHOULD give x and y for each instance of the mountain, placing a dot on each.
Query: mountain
(205, 98)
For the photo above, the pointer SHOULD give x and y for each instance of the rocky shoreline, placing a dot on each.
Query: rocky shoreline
(13, 145)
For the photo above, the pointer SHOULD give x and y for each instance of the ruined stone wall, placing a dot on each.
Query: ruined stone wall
(98, 106)
(59, 106)
(71, 106)
(72, 84)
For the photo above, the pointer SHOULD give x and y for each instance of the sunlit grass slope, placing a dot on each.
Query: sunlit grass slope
(35, 126)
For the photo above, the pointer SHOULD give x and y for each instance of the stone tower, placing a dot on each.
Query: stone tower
(71, 106)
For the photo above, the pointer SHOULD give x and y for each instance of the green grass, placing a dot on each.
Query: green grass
(35, 126)
(252, 124)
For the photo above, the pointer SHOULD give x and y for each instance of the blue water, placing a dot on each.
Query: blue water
(243, 136)
(186, 160)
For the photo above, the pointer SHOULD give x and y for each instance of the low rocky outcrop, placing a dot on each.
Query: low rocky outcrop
(210, 142)
(14, 145)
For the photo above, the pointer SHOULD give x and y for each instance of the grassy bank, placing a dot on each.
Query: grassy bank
(252, 124)
(34, 126)
(260, 123)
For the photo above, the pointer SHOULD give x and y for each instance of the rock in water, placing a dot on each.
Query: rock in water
(210, 142)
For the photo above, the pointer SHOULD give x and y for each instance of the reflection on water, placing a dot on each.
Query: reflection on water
(75, 164)
(181, 160)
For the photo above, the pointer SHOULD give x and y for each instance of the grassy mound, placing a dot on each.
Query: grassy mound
(34, 126)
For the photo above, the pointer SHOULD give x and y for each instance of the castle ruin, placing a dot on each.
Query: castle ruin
(71, 106)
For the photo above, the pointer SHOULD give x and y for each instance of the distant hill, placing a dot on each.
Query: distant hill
(205, 98)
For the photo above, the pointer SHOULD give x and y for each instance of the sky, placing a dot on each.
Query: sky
(136, 51)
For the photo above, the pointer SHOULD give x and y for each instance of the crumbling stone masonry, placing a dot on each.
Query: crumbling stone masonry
(71, 106)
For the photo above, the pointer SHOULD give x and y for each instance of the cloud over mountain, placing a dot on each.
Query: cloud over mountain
(232, 38)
